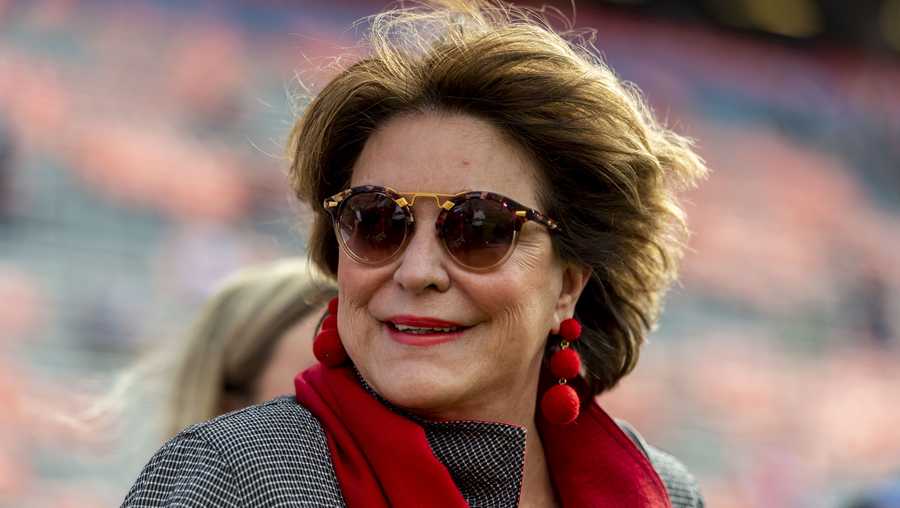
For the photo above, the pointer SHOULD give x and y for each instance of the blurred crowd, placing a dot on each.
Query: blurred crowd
(141, 161)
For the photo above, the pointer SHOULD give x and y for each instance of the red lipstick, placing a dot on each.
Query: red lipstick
(422, 322)
(426, 337)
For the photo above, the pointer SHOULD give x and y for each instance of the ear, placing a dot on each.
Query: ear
(575, 278)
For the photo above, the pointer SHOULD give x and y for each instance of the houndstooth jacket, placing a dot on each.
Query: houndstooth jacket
(276, 455)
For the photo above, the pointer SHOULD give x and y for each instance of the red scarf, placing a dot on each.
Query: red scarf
(383, 459)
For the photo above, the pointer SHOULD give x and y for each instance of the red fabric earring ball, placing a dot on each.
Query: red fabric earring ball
(329, 323)
(570, 329)
(332, 306)
(560, 405)
(565, 363)
(328, 348)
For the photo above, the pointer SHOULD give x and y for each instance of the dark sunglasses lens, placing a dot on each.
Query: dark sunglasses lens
(478, 233)
(372, 226)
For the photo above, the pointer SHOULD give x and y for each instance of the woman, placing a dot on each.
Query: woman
(249, 340)
(244, 347)
(499, 212)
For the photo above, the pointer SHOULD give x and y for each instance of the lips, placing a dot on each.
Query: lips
(423, 331)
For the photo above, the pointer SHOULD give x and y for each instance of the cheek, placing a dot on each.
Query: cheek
(518, 305)
(523, 295)
(357, 285)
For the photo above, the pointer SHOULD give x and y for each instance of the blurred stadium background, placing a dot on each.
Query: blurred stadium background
(141, 160)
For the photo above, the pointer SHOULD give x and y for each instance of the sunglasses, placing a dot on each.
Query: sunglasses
(478, 230)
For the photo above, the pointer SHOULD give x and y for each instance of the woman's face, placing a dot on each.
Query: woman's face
(292, 353)
(490, 369)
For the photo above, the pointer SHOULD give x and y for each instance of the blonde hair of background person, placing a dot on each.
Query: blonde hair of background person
(249, 340)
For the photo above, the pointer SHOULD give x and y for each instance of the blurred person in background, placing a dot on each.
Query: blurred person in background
(245, 346)
(463, 328)
(248, 342)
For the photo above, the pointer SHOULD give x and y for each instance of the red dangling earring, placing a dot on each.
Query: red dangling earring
(560, 404)
(327, 346)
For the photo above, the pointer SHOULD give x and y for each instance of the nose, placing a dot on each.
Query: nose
(423, 262)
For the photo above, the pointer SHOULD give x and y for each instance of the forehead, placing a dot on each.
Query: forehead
(446, 153)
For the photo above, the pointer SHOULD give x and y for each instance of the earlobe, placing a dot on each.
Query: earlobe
(575, 278)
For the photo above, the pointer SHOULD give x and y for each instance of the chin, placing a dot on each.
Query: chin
(419, 387)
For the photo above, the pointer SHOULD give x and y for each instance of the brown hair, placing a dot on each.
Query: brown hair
(610, 172)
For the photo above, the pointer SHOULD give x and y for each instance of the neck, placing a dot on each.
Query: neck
(537, 490)
(512, 402)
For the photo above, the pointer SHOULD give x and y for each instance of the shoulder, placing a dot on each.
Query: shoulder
(250, 457)
(186, 471)
(278, 424)
(680, 483)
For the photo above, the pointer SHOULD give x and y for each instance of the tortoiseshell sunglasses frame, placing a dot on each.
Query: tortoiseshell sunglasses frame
(406, 200)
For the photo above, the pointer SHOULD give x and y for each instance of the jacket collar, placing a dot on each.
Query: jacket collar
(485, 459)
(385, 457)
